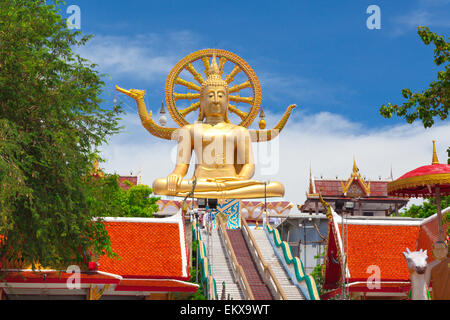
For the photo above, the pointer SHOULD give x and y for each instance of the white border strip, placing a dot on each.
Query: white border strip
(183, 246)
(336, 217)
(171, 219)
(383, 223)
(169, 280)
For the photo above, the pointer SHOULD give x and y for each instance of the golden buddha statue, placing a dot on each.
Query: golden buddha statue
(223, 151)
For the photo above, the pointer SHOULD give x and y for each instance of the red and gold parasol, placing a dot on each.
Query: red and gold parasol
(427, 181)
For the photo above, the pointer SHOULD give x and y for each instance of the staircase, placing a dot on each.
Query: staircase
(258, 288)
(291, 291)
(220, 266)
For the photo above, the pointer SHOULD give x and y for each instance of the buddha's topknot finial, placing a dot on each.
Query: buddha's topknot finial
(214, 76)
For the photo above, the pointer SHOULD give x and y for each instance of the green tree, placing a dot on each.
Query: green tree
(110, 200)
(318, 272)
(428, 208)
(434, 101)
(51, 125)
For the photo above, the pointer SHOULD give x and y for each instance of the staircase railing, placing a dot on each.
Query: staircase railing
(264, 269)
(236, 268)
(207, 280)
(288, 260)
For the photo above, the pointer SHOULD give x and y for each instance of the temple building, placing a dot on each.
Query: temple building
(356, 195)
(153, 264)
(375, 267)
(126, 182)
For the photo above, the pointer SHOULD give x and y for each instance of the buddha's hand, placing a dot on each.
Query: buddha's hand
(133, 93)
(173, 181)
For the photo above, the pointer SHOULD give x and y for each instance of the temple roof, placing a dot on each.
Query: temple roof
(132, 180)
(153, 257)
(376, 242)
(329, 187)
(335, 187)
(150, 247)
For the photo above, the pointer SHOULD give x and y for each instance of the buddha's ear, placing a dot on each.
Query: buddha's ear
(226, 116)
(200, 110)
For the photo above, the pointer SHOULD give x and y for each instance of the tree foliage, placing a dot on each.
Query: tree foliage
(318, 272)
(110, 200)
(428, 208)
(434, 101)
(51, 125)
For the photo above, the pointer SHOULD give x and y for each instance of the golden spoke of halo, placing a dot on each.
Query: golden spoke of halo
(232, 74)
(191, 108)
(189, 96)
(197, 76)
(238, 87)
(188, 84)
(235, 110)
(206, 64)
(221, 64)
(248, 100)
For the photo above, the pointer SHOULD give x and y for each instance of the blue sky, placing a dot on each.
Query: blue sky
(319, 55)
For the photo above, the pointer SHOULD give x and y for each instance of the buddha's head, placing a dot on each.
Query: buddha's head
(214, 95)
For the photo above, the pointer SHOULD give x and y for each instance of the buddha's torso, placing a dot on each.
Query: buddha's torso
(215, 149)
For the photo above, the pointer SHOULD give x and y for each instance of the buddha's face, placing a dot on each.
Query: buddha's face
(215, 101)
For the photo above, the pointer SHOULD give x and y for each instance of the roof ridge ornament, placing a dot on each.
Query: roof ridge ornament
(355, 175)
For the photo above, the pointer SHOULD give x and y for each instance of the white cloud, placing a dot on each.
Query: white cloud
(424, 13)
(145, 57)
(149, 57)
(326, 141)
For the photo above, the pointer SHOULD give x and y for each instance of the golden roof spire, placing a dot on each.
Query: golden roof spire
(355, 175)
(435, 158)
(355, 167)
(311, 186)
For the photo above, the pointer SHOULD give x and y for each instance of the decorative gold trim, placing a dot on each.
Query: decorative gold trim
(355, 175)
(431, 179)
(95, 293)
(326, 206)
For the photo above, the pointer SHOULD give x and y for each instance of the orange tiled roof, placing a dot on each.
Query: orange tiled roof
(150, 250)
(377, 243)
(382, 246)
(153, 257)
